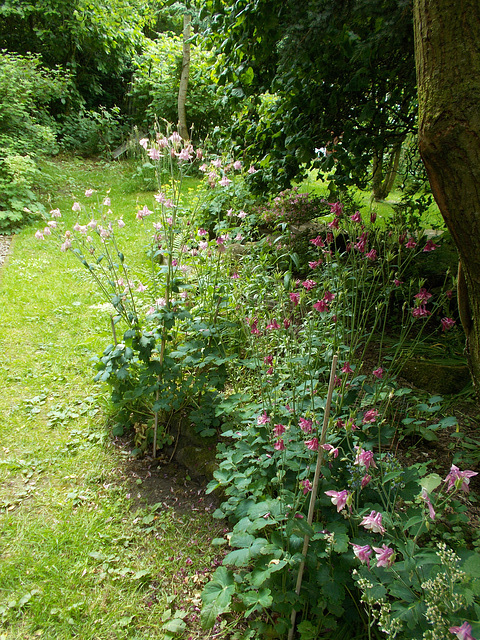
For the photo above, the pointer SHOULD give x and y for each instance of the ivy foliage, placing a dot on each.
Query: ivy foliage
(313, 75)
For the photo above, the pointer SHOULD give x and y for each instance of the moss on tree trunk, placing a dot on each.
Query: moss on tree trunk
(447, 53)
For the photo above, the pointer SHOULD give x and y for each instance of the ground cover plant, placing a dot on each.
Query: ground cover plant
(234, 331)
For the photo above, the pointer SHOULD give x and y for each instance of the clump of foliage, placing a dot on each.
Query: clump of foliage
(292, 207)
(26, 132)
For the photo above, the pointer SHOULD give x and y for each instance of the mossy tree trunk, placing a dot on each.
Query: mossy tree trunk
(447, 54)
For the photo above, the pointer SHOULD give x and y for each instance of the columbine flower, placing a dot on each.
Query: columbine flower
(431, 511)
(39, 235)
(107, 202)
(378, 373)
(252, 169)
(47, 231)
(459, 479)
(332, 451)
(362, 553)
(312, 444)
(385, 556)
(278, 430)
(329, 296)
(88, 193)
(120, 223)
(321, 306)
(141, 287)
(143, 212)
(430, 246)
(347, 368)
(309, 284)
(420, 312)
(365, 458)
(224, 182)
(203, 168)
(279, 445)
(237, 165)
(184, 154)
(241, 215)
(143, 143)
(305, 425)
(411, 243)
(55, 213)
(317, 242)
(295, 298)
(373, 522)
(423, 296)
(338, 498)
(263, 418)
(464, 632)
(76, 206)
(356, 217)
(447, 323)
(370, 416)
(365, 480)
(154, 153)
(306, 485)
(371, 255)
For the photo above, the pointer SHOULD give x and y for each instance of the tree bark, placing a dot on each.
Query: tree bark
(447, 55)
(182, 91)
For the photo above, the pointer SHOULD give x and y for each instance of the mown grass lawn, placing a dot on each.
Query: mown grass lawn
(78, 559)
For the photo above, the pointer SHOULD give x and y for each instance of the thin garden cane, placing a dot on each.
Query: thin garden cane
(313, 495)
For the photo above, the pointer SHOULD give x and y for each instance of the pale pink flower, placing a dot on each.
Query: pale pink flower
(252, 169)
(363, 553)
(39, 235)
(241, 215)
(88, 193)
(143, 213)
(161, 302)
(160, 197)
(184, 154)
(338, 498)
(217, 163)
(143, 143)
(76, 206)
(373, 522)
(55, 213)
(263, 418)
(224, 182)
(312, 444)
(121, 223)
(154, 153)
(385, 556)
(237, 165)
(202, 232)
(203, 168)
(175, 138)
(47, 231)
(107, 202)
(92, 224)
(162, 141)
(464, 632)
(141, 287)
(459, 479)
(52, 224)
(66, 245)
(431, 510)
(365, 458)
(332, 451)
(203, 245)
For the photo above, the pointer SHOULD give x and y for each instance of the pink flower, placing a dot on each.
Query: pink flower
(334, 224)
(347, 368)
(370, 416)
(336, 208)
(273, 325)
(397, 282)
(224, 182)
(120, 223)
(423, 296)
(305, 425)
(143, 143)
(362, 553)
(385, 556)
(411, 243)
(317, 242)
(464, 632)
(459, 479)
(263, 418)
(420, 312)
(314, 264)
(88, 193)
(309, 284)
(378, 373)
(333, 451)
(430, 246)
(278, 430)
(371, 255)
(356, 217)
(47, 231)
(321, 306)
(329, 296)
(373, 522)
(286, 323)
(365, 480)
(185, 154)
(449, 294)
(107, 202)
(202, 232)
(154, 154)
(338, 498)
(306, 485)
(295, 298)
(241, 215)
(312, 444)
(424, 496)
(143, 212)
(365, 458)
(373, 217)
(141, 287)
(76, 206)
(237, 165)
(39, 235)
(279, 445)
(55, 213)
(447, 323)
(252, 169)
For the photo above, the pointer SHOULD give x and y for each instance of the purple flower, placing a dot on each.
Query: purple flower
(430, 246)
(459, 479)
(378, 373)
(385, 556)
(464, 632)
(371, 255)
(306, 485)
(373, 522)
(321, 306)
(338, 498)
(356, 217)
(305, 425)
(362, 553)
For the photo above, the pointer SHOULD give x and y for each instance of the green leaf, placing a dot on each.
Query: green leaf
(217, 596)
(431, 482)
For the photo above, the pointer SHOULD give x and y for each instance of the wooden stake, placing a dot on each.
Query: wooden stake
(313, 495)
